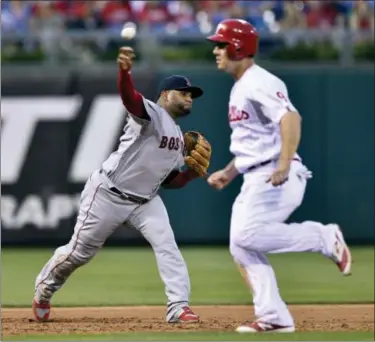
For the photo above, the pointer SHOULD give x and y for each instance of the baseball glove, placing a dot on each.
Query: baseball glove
(198, 152)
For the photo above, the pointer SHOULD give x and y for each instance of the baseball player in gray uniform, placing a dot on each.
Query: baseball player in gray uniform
(125, 190)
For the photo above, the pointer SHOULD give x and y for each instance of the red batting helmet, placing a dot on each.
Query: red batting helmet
(242, 38)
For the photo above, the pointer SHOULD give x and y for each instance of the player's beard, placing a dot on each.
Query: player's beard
(183, 110)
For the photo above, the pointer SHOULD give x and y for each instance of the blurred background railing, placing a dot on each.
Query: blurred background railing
(88, 32)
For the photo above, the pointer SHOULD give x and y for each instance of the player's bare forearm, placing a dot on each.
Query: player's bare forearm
(220, 179)
(230, 170)
(130, 97)
(290, 128)
(178, 180)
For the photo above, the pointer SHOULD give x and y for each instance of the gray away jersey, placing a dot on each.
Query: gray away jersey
(148, 151)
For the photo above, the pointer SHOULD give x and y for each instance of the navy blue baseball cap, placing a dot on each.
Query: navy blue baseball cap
(178, 82)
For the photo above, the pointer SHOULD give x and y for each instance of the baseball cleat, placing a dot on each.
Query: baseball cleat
(186, 315)
(341, 253)
(258, 326)
(41, 310)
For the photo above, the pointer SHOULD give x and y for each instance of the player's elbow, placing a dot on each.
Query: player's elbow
(291, 119)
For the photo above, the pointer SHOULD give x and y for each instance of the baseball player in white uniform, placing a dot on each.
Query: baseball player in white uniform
(125, 190)
(266, 130)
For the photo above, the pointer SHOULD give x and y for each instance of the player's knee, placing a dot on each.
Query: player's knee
(68, 263)
(246, 237)
(239, 254)
(168, 247)
(164, 241)
(234, 250)
(82, 254)
(67, 259)
(76, 253)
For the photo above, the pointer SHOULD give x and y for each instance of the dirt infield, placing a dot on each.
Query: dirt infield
(214, 318)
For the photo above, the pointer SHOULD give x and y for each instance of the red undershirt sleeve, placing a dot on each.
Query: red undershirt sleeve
(177, 180)
(131, 98)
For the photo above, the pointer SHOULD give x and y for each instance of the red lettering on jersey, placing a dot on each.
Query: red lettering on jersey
(237, 115)
(280, 95)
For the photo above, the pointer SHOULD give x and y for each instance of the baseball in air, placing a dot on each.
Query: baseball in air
(129, 31)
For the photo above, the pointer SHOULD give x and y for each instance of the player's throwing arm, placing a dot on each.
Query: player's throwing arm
(151, 154)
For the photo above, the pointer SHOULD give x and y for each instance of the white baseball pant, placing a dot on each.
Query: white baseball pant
(257, 228)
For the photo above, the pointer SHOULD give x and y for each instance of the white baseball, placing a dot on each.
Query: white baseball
(129, 31)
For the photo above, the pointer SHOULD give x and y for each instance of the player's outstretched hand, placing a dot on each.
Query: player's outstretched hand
(219, 179)
(279, 176)
(125, 58)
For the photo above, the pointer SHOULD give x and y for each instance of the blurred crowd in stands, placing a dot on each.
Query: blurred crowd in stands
(38, 28)
(184, 16)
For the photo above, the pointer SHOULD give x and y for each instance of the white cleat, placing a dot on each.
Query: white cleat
(341, 253)
(261, 327)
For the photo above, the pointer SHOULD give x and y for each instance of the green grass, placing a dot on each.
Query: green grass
(200, 336)
(128, 276)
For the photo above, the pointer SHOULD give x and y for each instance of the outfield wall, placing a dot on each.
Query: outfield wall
(58, 125)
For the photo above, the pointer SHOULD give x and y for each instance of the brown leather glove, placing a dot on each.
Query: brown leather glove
(198, 152)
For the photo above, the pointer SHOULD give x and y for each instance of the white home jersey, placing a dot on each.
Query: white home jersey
(258, 101)
(148, 151)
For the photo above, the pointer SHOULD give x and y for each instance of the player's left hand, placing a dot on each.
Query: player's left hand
(198, 152)
(279, 176)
